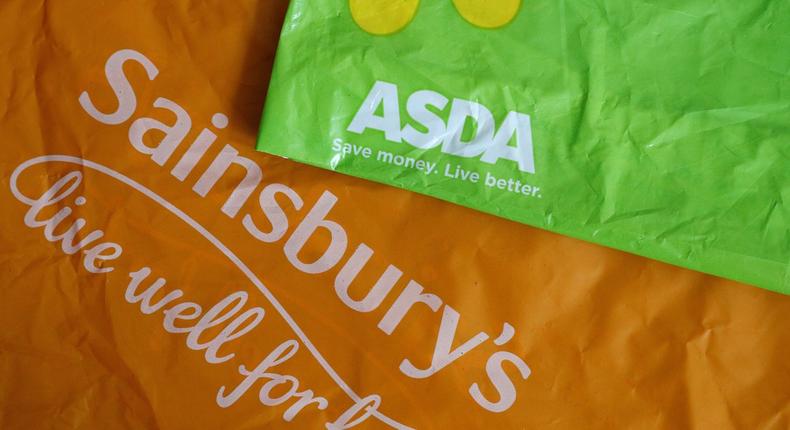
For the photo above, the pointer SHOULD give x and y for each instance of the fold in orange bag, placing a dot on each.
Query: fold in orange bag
(157, 272)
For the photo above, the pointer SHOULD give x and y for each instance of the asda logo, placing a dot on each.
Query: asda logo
(470, 130)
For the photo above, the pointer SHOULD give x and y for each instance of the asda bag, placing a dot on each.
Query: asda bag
(658, 128)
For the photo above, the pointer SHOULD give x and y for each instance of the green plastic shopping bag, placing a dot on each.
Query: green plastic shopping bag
(656, 127)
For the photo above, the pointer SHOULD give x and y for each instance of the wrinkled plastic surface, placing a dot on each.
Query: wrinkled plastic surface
(658, 127)
(612, 340)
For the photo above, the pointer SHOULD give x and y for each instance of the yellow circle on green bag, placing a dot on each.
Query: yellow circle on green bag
(382, 17)
(488, 13)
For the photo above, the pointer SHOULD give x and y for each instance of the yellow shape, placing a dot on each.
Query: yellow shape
(383, 16)
(487, 13)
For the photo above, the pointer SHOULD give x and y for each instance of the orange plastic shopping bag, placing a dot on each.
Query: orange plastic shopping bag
(157, 272)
